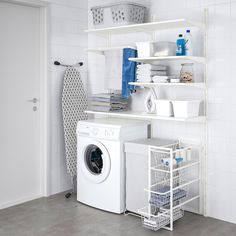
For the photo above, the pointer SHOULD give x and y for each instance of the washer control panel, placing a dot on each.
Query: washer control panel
(99, 132)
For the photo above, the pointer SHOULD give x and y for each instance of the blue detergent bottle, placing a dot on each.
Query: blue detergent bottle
(180, 46)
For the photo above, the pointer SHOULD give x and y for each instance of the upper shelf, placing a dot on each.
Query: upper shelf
(153, 59)
(147, 27)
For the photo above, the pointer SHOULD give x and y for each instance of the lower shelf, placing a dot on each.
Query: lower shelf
(143, 115)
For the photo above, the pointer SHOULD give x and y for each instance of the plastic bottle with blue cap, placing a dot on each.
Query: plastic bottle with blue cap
(188, 43)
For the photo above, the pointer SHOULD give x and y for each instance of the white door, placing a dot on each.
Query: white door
(20, 176)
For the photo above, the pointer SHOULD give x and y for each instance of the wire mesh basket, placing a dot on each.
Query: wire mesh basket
(123, 13)
(162, 198)
(161, 158)
(161, 181)
(154, 219)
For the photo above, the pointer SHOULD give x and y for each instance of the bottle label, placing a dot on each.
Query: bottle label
(179, 49)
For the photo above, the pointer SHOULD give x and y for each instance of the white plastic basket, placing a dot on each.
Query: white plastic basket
(118, 14)
(145, 49)
(164, 108)
(186, 108)
(164, 49)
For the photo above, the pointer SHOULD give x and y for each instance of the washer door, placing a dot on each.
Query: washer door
(95, 162)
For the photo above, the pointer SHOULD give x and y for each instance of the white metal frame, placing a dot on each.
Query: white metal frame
(44, 90)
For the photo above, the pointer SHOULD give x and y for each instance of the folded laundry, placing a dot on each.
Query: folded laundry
(151, 73)
(160, 79)
(107, 109)
(145, 80)
(146, 72)
(160, 200)
(151, 67)
(108, 102)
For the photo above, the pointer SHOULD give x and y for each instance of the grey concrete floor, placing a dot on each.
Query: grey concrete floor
(57, 216)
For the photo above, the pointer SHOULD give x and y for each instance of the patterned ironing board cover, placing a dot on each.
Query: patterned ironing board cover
(74, 103)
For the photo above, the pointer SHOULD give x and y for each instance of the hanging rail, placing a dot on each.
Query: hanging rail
(79, 64)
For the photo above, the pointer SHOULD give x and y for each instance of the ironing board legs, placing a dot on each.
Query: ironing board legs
(74, 185)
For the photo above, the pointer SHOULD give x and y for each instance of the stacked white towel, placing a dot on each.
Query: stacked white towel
(160, 79)
(145, 72)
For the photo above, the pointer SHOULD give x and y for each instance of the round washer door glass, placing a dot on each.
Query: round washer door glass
(96, 166)
(93, 159)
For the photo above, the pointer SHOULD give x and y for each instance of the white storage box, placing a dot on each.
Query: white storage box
(164, 49)
(145, 49)
(123, 13)
(185, 109)
(164, 108)
(137, 171)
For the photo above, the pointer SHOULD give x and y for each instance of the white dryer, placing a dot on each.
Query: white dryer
(101, 164)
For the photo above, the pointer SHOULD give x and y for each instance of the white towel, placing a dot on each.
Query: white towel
(160, 79)
(113, 69)
(151, 73)
(152, 67)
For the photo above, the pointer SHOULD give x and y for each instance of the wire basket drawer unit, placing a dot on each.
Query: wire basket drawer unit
(118, 14)
(173, 182)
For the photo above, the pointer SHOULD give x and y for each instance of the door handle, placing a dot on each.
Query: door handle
(34, 100)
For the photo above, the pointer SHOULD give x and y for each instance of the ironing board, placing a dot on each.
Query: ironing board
(74, 102)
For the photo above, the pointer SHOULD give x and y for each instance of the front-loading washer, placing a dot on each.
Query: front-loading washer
(100, 160)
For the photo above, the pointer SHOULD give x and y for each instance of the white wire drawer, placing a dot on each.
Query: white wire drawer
(173, 158)
(162, 199)
(180, 196)
(154, 219)
(161, 181)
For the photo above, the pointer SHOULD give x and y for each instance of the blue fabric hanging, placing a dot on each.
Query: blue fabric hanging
(128, 71)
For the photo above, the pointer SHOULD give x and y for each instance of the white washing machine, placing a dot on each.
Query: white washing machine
(101, 164)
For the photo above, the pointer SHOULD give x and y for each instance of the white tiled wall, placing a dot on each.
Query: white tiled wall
(221, 186)
(68, 20)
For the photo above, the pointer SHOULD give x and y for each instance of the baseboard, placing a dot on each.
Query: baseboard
(14, 203)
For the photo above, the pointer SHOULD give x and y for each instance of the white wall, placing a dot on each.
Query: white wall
(68, 20)
(222, 106)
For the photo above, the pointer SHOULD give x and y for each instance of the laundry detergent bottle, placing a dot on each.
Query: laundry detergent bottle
(180, 46)
(188, 43)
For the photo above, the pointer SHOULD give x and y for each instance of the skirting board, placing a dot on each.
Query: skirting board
(14, 203)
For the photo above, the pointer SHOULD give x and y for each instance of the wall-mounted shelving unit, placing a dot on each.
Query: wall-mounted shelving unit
(151, 28)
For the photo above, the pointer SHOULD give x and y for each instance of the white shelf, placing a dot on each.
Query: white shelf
(104, 49)
(145, 116)
(147, 27)
(185, 85)
(151, 60)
